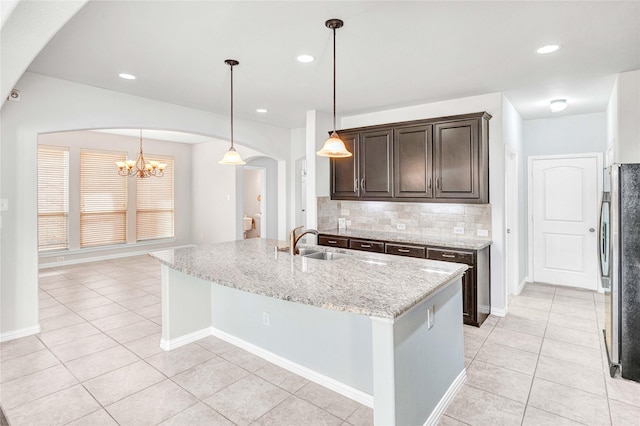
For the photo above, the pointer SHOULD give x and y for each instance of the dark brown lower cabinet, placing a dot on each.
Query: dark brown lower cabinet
(476, 281)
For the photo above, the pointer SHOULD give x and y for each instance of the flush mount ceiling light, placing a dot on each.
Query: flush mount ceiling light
(334, 146)
(232, 157)
(558, 105)
(127, 76)
(305, 59)
(549, 48)
(261, 110)
(140, 168)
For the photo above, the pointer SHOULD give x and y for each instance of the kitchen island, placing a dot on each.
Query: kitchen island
(383, 330)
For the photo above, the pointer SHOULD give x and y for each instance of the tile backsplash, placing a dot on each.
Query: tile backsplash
(429, 219)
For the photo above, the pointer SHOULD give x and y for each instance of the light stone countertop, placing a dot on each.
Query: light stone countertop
(364, 283)
(398, 237)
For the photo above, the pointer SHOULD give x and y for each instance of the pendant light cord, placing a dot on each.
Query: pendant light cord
(334, 80)
(231, 106)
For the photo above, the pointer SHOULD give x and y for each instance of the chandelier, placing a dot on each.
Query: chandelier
(140, 168)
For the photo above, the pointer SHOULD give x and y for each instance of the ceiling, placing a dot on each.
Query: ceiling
(389, 53)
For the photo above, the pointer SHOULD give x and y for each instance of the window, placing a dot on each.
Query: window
(154, 211)
(103, 199)
(53, 197)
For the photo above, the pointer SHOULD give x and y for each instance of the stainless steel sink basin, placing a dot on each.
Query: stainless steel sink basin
(323, 255)
(304, 251)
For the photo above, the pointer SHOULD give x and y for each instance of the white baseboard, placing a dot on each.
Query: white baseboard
(98, 257)
(521, 286)
(499, 312)
(446, 399)
(327, 382)
(168, 345)
(22, 332)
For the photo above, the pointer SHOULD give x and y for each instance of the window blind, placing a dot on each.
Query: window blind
(154, 210)
(53, 197)
(103, 199)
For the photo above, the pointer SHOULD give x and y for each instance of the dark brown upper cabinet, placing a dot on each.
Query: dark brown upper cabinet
(345, 180)
(443, 159)
(413, 176)
(376, 164)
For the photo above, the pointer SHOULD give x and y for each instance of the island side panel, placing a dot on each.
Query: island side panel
(186, 308)
(332, 343)
(424, 363)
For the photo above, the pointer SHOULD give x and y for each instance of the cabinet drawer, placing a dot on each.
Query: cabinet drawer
(450, 256)
(329, 240)
(405, 250)
(366, 245)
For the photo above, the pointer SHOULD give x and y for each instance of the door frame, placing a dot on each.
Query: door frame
(512, 204)
(530, 159)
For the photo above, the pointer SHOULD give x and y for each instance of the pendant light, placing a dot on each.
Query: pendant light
(232, 157)
(334, 146)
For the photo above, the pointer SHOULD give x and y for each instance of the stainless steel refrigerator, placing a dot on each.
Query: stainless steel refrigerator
(619, 254)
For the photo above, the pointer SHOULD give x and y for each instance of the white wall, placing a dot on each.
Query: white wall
(514, 137)
(627, 148)
(612, 124)
(53, 105)
(573, 134)
(27, 30)
(491, 103)
(182, 189)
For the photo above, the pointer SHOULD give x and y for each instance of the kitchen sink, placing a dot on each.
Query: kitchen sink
(314, 253)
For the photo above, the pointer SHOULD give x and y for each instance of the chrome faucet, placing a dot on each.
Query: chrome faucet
(294, 239)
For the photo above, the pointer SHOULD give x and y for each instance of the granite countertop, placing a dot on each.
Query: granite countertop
(411, 238)
(364, 283)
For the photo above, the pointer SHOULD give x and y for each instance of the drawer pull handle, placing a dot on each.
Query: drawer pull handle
(332, 242)
(401, 250)
(365, 245)
(451, 256)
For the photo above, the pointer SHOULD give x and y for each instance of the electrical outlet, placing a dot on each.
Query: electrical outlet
(483, 232)
(458, 230)
(401, 226)
(265, 319)
(342, 223)
(430, 317)
(344, 212)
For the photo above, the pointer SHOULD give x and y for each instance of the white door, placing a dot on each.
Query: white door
(565, 216)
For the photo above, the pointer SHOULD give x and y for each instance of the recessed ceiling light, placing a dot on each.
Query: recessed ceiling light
(558, 105)
(262, 110)
(549, 48)
(305, 59)
(127, 76)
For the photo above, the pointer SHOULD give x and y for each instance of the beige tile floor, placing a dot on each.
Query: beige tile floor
(97, 361)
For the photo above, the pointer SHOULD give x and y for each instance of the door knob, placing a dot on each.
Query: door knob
(592, 230)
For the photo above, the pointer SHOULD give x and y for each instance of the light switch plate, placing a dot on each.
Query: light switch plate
(342, 223)
(458, 230)
(344, 212)
(483, 232)
(401, 226)
(4, 205)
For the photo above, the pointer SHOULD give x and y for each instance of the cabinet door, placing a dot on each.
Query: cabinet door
(456, 153)
(376, 168)
(412, 160)
(345, 182)
(469, 297)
